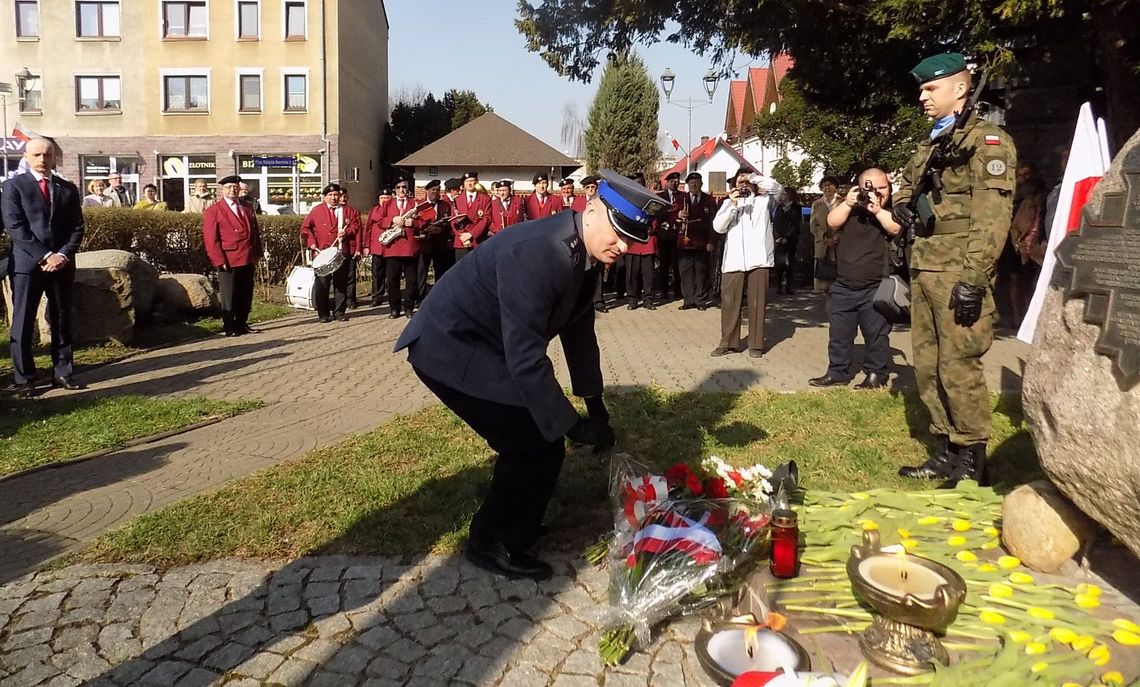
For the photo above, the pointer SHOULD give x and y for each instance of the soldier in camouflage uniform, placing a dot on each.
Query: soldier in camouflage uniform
(959, 231)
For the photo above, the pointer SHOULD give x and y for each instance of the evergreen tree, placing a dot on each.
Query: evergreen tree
(621, 128)
(463, 106)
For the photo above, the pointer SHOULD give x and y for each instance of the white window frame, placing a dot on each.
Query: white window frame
(237, 21)
(186, 71)
(295, 71)
(101, 37)
(162, 22)
(94, 74)
(259, 72)
(285, 21)
(16, 22)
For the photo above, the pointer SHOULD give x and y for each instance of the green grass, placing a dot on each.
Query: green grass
(149, 336)
(43, 431)
(412, 485)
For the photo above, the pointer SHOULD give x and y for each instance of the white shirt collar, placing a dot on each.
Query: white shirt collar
(37, 176)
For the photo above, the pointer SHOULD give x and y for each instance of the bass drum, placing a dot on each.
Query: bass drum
(299, 288)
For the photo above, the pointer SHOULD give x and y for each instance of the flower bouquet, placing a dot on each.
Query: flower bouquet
(678, 539)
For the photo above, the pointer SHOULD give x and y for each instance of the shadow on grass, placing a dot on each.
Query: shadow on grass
(439, 623)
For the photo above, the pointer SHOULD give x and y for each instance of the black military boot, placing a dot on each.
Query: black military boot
(938, 466)
(971, 465)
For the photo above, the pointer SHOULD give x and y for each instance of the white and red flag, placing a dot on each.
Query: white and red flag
(1088, 161)
(676, 144)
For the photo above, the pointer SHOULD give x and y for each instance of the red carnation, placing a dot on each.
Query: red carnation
(736, 478)
(678, 474)
(716, 488)
(694, 484)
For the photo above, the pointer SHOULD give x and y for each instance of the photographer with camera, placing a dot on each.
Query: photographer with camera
(861, 228)
(745, 220)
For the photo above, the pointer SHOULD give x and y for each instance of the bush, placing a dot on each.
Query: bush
(172, 241)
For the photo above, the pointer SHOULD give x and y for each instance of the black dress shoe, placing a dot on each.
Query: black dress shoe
(246, 329)
(325, 318)
(633, 305)
(650, 305)
(601, 308)
(873, 380)
(66, 383)
(395, 315)
(343, 317)
(687, 306)
(27, 390)
(409, 314)
(702, 307)
(513, 565)
(229, 332)
(938, 466)
(828, 380)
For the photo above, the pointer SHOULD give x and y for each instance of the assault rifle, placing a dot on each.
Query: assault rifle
(942, 153)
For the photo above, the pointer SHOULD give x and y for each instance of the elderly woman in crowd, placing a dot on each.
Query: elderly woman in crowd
(95, 197)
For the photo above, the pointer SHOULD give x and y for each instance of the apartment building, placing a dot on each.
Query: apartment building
(291, 94)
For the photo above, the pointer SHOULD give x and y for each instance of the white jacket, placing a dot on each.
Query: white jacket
(748, 241)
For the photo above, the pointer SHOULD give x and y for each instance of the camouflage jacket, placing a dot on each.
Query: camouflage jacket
(972, 221)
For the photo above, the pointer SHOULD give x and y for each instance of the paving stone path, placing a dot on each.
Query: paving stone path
(316, 621)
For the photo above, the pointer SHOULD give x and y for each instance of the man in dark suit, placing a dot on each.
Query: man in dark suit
(233, 243)
(43, 215)
(480, 341)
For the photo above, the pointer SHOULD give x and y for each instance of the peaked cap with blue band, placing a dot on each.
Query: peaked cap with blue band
(630, 205)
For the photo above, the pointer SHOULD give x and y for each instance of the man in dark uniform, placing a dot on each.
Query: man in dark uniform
(233, 243)
(435, 239)
(668, 270)
(480, 344)
(959, 231)
(694, 242)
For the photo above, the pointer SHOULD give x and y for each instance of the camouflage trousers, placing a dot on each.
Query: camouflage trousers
(948, 359)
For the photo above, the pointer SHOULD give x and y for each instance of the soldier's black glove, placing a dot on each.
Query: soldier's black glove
(966, 302)
(592, 432)
(906, 218)
(596, 408)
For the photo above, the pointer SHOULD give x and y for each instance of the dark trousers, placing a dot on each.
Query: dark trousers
(667, 269)
(409, 268)
(339, 282)
(694, 276)
(526, 470)
(615, 278)
(350, 286)
(27, 290)
(379, 278)
(732, 287)
(715, 258)
(235, 290)
(440, 260)
(853, 309)
(785, 270)
(639, 277)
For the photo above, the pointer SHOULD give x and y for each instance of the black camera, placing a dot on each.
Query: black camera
(743, 192)
(863, 198)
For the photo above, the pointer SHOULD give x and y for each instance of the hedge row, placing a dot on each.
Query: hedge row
(172, 241)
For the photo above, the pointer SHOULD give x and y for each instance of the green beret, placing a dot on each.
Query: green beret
(938, 66)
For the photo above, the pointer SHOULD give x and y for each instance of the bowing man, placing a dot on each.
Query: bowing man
(43, 215)
(486, 358)
(327, 225)
(476, 206)
(233, 243)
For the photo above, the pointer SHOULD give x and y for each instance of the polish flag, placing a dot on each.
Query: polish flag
(675, 142)
(1088, 161)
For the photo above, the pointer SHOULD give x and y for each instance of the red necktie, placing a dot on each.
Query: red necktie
(44, 190)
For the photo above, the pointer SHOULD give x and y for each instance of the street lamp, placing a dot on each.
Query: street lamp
(709, 81)
(5, 91)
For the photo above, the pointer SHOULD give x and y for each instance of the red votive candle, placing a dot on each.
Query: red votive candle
(785, 544)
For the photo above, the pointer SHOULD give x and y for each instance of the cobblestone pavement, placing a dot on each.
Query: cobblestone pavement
(321, 621)
(327, 620)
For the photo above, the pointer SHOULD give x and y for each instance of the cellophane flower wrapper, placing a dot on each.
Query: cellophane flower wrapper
(671, 553)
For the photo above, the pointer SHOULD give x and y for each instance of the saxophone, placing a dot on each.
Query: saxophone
(397, 229)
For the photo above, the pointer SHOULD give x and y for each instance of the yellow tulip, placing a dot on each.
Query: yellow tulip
(1001, 591)
(1019, 636)
(1083, 643)
(956, 540)
(1112, 677)
(1020, 578)
(1100, 655)
(1125, 624)
(991, 545)
(1088, 589)
(1071, 684)
(960, 525)
(1041, 613)
(1062, 634)
(991, 618)
(909, 544)
(870, 525)
(1126, 637)
(861, 496)
(1086, 601)
(904, 533)
(966, 556)
(992, 531)
(929, 520)
(987, 568)
(1039, 667)
(1035, 648)
(1008, 562)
